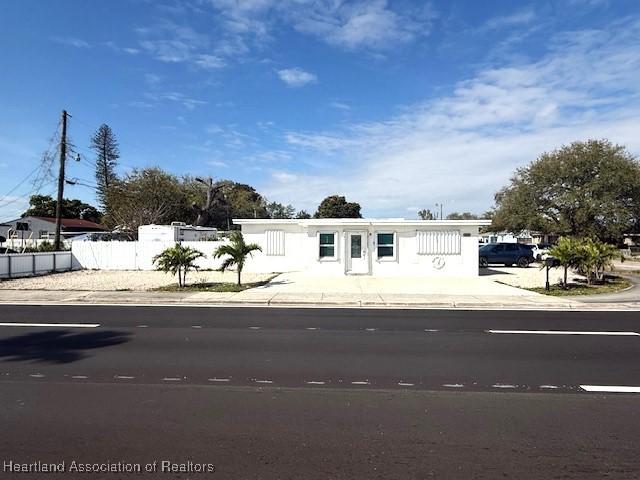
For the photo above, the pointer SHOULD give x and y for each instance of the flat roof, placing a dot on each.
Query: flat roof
(356, 221)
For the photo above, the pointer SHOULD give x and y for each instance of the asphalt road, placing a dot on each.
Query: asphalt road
(321, 393)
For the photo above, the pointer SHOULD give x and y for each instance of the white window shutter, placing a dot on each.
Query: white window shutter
(274, 242)
(441, 242)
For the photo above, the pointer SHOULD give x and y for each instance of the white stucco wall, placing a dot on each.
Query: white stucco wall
(301, 250)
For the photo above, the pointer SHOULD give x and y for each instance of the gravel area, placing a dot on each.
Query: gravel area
(531, 277)
(104, 280)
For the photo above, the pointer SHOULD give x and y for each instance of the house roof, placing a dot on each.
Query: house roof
(73, 223)
(358, 221)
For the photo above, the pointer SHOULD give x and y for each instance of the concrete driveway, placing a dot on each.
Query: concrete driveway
(301, 282)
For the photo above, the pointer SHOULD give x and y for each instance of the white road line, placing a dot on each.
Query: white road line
(143, 326)
(255, 328)
(610, 388)
(361, 383)
(549, 387)
(263, 381)
(79, 377)
(196, 326)
(123, 377)
(36, 375)
(431, 330)
(219, 379)
(313, 382)
(502, 385)
(371, 329)
(403, 384)
(57, 325)
(172, 379)
(563, 332)
(312, 328)
(453, 385)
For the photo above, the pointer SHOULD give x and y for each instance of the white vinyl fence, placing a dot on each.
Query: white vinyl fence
(25, 264)
(134, 255)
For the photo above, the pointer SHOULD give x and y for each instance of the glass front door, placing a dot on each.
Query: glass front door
(357, 253)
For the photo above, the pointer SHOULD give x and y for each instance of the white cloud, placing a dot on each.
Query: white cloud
(462, 147)
(217, 163)
(522, 17)
(364, 24)
(284, 177)
(369, 24)
(71, 42)
(209, 62)
(296, 77)
(340, 106)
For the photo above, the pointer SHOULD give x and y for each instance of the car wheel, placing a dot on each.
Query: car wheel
(484, 263)
(539, 257)
(523, 262)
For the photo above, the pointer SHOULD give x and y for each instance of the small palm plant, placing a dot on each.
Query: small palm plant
(595, 257)
(178, 260)
(567, 252)
(237, 251)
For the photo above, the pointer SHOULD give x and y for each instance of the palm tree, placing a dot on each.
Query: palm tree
(237, 251)
(595, 256)
(567, 252)
(178, 260)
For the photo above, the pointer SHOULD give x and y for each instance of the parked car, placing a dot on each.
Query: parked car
(507, 254)
(540, 251)
(6, 250)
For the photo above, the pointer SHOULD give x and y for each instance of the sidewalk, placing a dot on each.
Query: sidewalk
(264, 298)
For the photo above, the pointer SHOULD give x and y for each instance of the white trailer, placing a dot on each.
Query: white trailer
(176, 232)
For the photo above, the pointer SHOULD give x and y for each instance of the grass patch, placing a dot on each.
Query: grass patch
(212, 286)
(612, 285)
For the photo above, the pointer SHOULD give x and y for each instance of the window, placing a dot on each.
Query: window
(327, 245)
(442, 242)
(386, 245)
(356, 246)
(512, 247)
(44, 234)
(274, 242)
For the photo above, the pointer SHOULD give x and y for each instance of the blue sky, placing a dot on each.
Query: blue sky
(396, 104)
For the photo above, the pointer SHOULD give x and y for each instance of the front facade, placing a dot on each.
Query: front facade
(379, 247)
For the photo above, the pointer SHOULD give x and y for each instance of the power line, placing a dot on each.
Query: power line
(41, 172)
(14, 200)
(20, 183)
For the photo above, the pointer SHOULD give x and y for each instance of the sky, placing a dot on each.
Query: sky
(398, 104)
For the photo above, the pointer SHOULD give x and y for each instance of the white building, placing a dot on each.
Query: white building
(507, 237)
(381, 247)
(176, 232)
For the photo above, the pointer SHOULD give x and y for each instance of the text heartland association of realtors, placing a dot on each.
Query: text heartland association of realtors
(163, 466)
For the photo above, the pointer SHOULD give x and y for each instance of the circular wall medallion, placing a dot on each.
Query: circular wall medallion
(438, 263)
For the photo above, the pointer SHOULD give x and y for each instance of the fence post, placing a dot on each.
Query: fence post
(54, 262)
(9, 265)
(33, 262)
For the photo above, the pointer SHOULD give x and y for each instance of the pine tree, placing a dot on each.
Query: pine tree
(105, 145)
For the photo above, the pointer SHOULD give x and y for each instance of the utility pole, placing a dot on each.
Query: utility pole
(439, 205)
(63, 157)
(209, 184)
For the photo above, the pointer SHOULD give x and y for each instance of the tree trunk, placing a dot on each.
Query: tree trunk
(566, 268)
(239, 274)
(180, 277)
